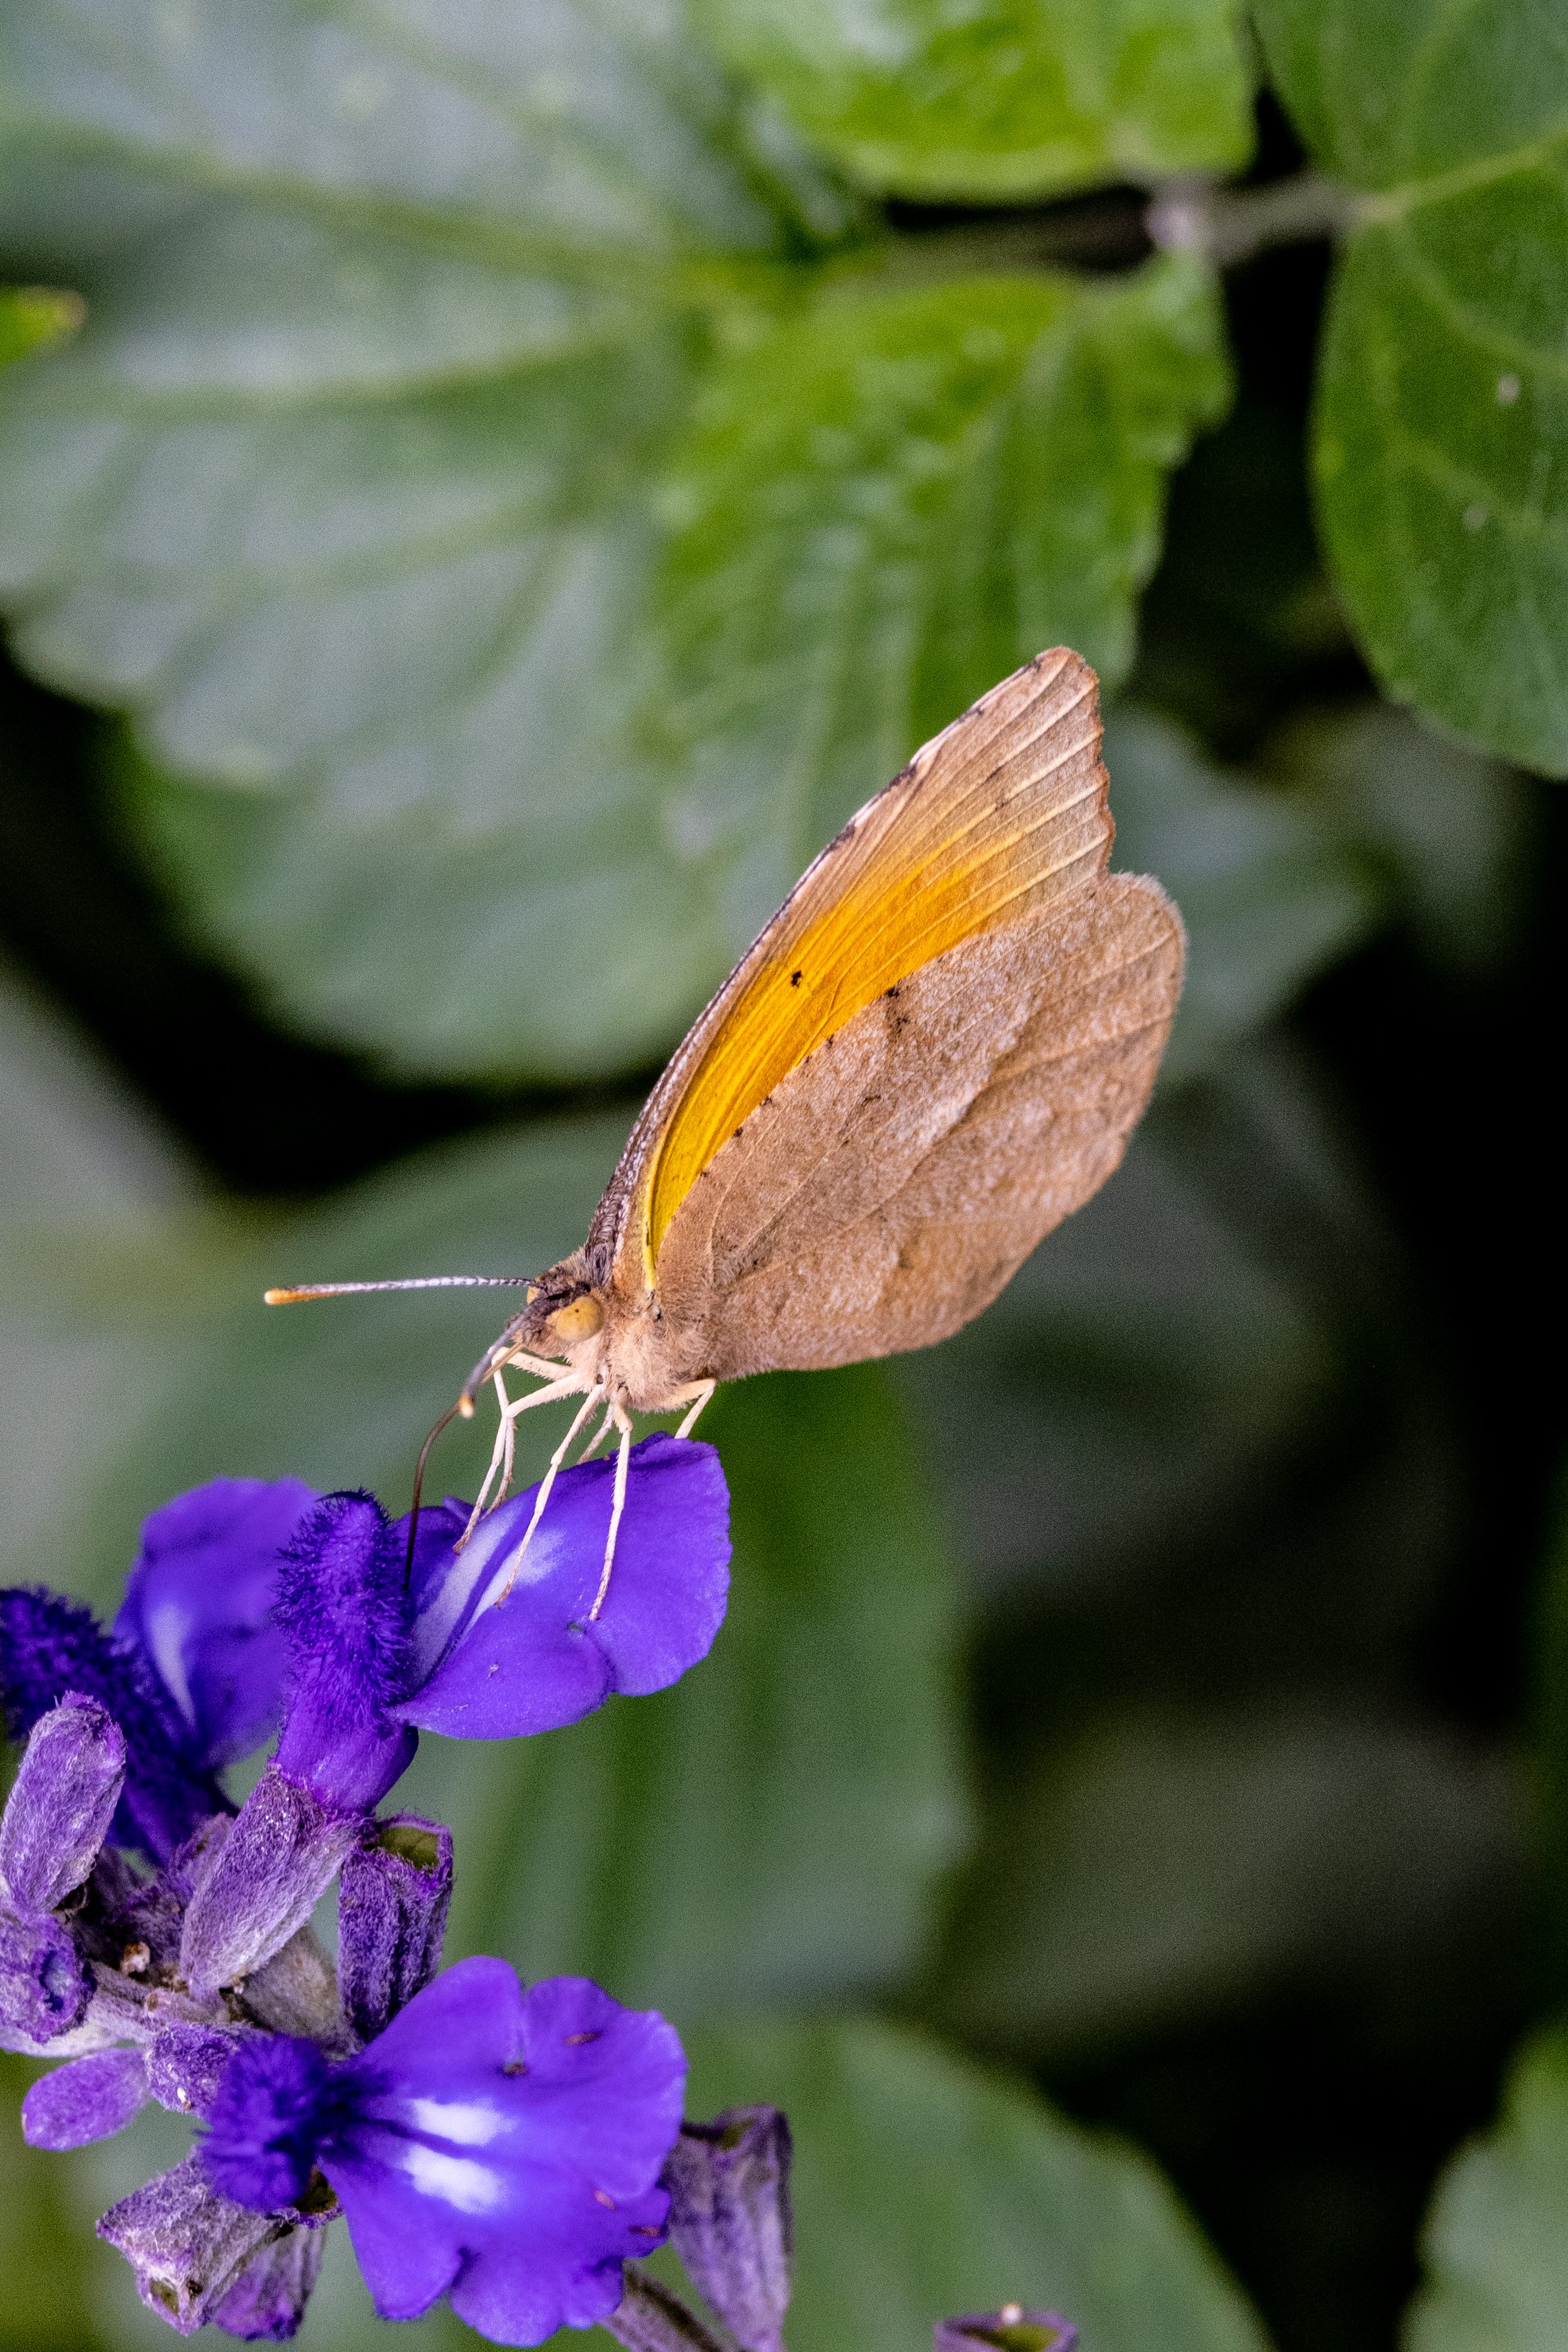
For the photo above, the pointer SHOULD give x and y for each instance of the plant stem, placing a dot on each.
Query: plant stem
(1230, 225)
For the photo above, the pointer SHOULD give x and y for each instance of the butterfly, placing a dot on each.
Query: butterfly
(933, 1052)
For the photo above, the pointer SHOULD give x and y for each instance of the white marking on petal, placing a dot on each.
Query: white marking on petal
(456, 2180)
(468, 2122)
(167, 1625)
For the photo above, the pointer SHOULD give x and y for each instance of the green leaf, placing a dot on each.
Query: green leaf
(1004, 100)
(1441, 451)
(925, 2188)
(367, 487)
(1495, 2246)
(1270, 896)
(889, 501)
(1164, 1867)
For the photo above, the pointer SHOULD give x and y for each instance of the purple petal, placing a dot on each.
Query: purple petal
(198, 1604)
(505, 2148)
(63, 1800)
(341, 1603)
(91, 2099)
(536, 1661)
(266, 2122)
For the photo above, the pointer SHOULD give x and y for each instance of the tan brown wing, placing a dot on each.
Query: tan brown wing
(1003, 812)
(898, 1178)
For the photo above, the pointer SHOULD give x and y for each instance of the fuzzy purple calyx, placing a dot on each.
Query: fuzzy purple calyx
(188, 2245)
(267, 2301)
(498, 2146)
(393, 1898)
(61, 1804)
(188, 2061)
(730, 2218)
(45, 1983)
(1011, 2329)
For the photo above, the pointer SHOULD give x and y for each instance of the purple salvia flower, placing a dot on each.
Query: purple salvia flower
(48, 1646)
(90, 2098)
(484, 1667)
(198, 1604)
(474, 1644)
(1011, 2329)
(500, 2147)
(729, 2217)
(191, 1672)
(392, 1899)
(341, 1605)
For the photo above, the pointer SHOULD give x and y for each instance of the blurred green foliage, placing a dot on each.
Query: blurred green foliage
(522, 476)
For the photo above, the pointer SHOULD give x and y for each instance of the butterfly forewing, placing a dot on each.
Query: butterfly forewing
(1003, 813)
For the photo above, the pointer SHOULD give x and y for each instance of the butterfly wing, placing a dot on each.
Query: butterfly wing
(895, 1180)
(1001, 814)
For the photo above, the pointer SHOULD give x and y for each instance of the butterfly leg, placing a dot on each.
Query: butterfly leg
(598, 1438)
(703, 1397)
(545, 1484)
(565, 1384)
(618, 1504)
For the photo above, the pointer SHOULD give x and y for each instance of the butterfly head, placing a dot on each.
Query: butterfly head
(561, 1316)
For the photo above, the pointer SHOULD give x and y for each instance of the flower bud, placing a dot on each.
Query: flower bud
(59, 1811)
(1011, 2329)
(729, 2217)
(391, 1916)
(281, 1853)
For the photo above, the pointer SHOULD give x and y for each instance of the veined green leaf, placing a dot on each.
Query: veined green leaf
(1002, 99)
(886, 503)
(1441, 450)
(370, 489)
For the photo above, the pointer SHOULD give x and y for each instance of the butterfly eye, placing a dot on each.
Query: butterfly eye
(578, 1319)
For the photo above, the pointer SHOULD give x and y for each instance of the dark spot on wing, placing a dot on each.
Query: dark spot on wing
(795, 978)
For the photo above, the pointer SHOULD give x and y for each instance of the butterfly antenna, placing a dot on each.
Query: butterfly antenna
(290, 1294)
(450, 1414)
